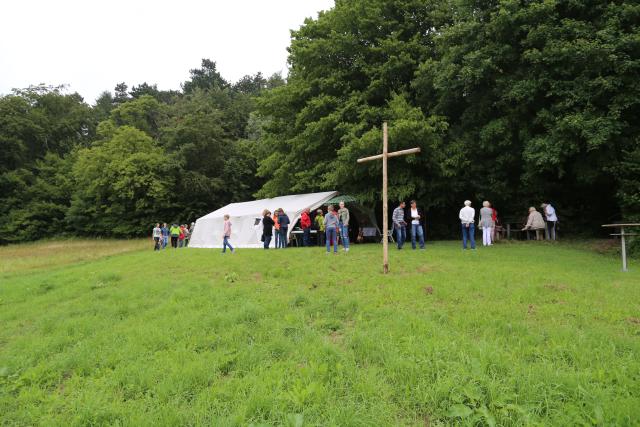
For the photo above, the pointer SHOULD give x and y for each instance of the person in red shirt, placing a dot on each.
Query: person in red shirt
(305, 223)
(181, 237)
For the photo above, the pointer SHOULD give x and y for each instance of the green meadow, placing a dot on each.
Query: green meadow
(111, 333)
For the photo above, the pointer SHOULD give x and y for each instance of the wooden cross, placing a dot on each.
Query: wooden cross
(385, 209)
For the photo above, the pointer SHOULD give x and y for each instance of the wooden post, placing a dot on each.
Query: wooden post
(385, 207)
(385, 202)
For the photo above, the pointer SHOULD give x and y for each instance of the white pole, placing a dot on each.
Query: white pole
(624, 249)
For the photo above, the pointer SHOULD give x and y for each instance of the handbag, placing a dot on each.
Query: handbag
(262, 238)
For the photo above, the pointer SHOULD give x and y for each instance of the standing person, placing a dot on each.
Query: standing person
(496, 224)
(305, 223)
(276, 223)
(283, 219)
(175, 234)
(157, 235)
(331, 223)
(534, 222)
(319, 221)
(486, 223)
(187, 235)
(343, 226)
(467, 219)
(267, 228)
(552, 220)
(400, 224)
(165, 235)
(417, 219)
(226, 235)
(191, 228)
(181, 237)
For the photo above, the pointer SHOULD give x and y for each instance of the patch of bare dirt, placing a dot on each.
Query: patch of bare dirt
(424, 269)
(336, 337)
(556, 287)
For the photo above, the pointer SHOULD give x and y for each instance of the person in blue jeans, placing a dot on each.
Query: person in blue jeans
(417, 219)
(226, 235)
(165, 235)
(343, 226)
(467, 221)
(399, 224)
(331, 229)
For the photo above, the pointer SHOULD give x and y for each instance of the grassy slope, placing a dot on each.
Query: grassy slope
(54, 253)
(516, 334)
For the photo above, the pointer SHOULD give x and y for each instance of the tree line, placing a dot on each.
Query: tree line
(511, 101)
(136, 157)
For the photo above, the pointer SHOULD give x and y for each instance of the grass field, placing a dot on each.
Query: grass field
(517, 334)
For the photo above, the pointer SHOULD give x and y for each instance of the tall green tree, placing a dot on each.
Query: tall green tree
(516, 102)
(122, 185)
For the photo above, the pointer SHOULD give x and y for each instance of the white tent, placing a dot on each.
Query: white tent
(246, 218)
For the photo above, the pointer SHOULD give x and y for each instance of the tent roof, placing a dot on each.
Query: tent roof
(290, 204)
(343, 198)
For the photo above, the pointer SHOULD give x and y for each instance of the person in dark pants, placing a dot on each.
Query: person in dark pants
(552, 219)
(267, 228)
(283, 219)
(305, 224)
(157, 235)
(175, 233)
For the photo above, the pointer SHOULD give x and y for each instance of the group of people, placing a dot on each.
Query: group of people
(539, 224)
(328, 227)
(279, 222)
(488, 219)
(403, 218)
(332, 228)
(179, 235)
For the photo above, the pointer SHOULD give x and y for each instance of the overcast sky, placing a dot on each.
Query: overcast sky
(92, 45)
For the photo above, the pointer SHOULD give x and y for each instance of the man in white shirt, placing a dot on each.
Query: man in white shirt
(552, 219)
(417, 219)
(467, 215)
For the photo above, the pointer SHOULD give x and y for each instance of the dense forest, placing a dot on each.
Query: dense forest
(512, 101)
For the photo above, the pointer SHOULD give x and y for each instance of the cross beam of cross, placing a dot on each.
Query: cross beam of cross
(385, 209)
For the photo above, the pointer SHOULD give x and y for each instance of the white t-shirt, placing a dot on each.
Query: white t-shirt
(467, 215)
(414, 214)
(550, 213)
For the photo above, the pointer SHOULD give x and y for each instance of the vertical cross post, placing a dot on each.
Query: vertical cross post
(385, 205)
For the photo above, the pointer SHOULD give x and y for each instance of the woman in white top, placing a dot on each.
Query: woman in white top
(157, 235)
(486, 223)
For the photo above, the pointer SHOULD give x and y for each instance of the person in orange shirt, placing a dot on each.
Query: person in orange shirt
(276, 225)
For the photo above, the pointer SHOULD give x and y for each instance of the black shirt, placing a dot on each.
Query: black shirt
(267, 224)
